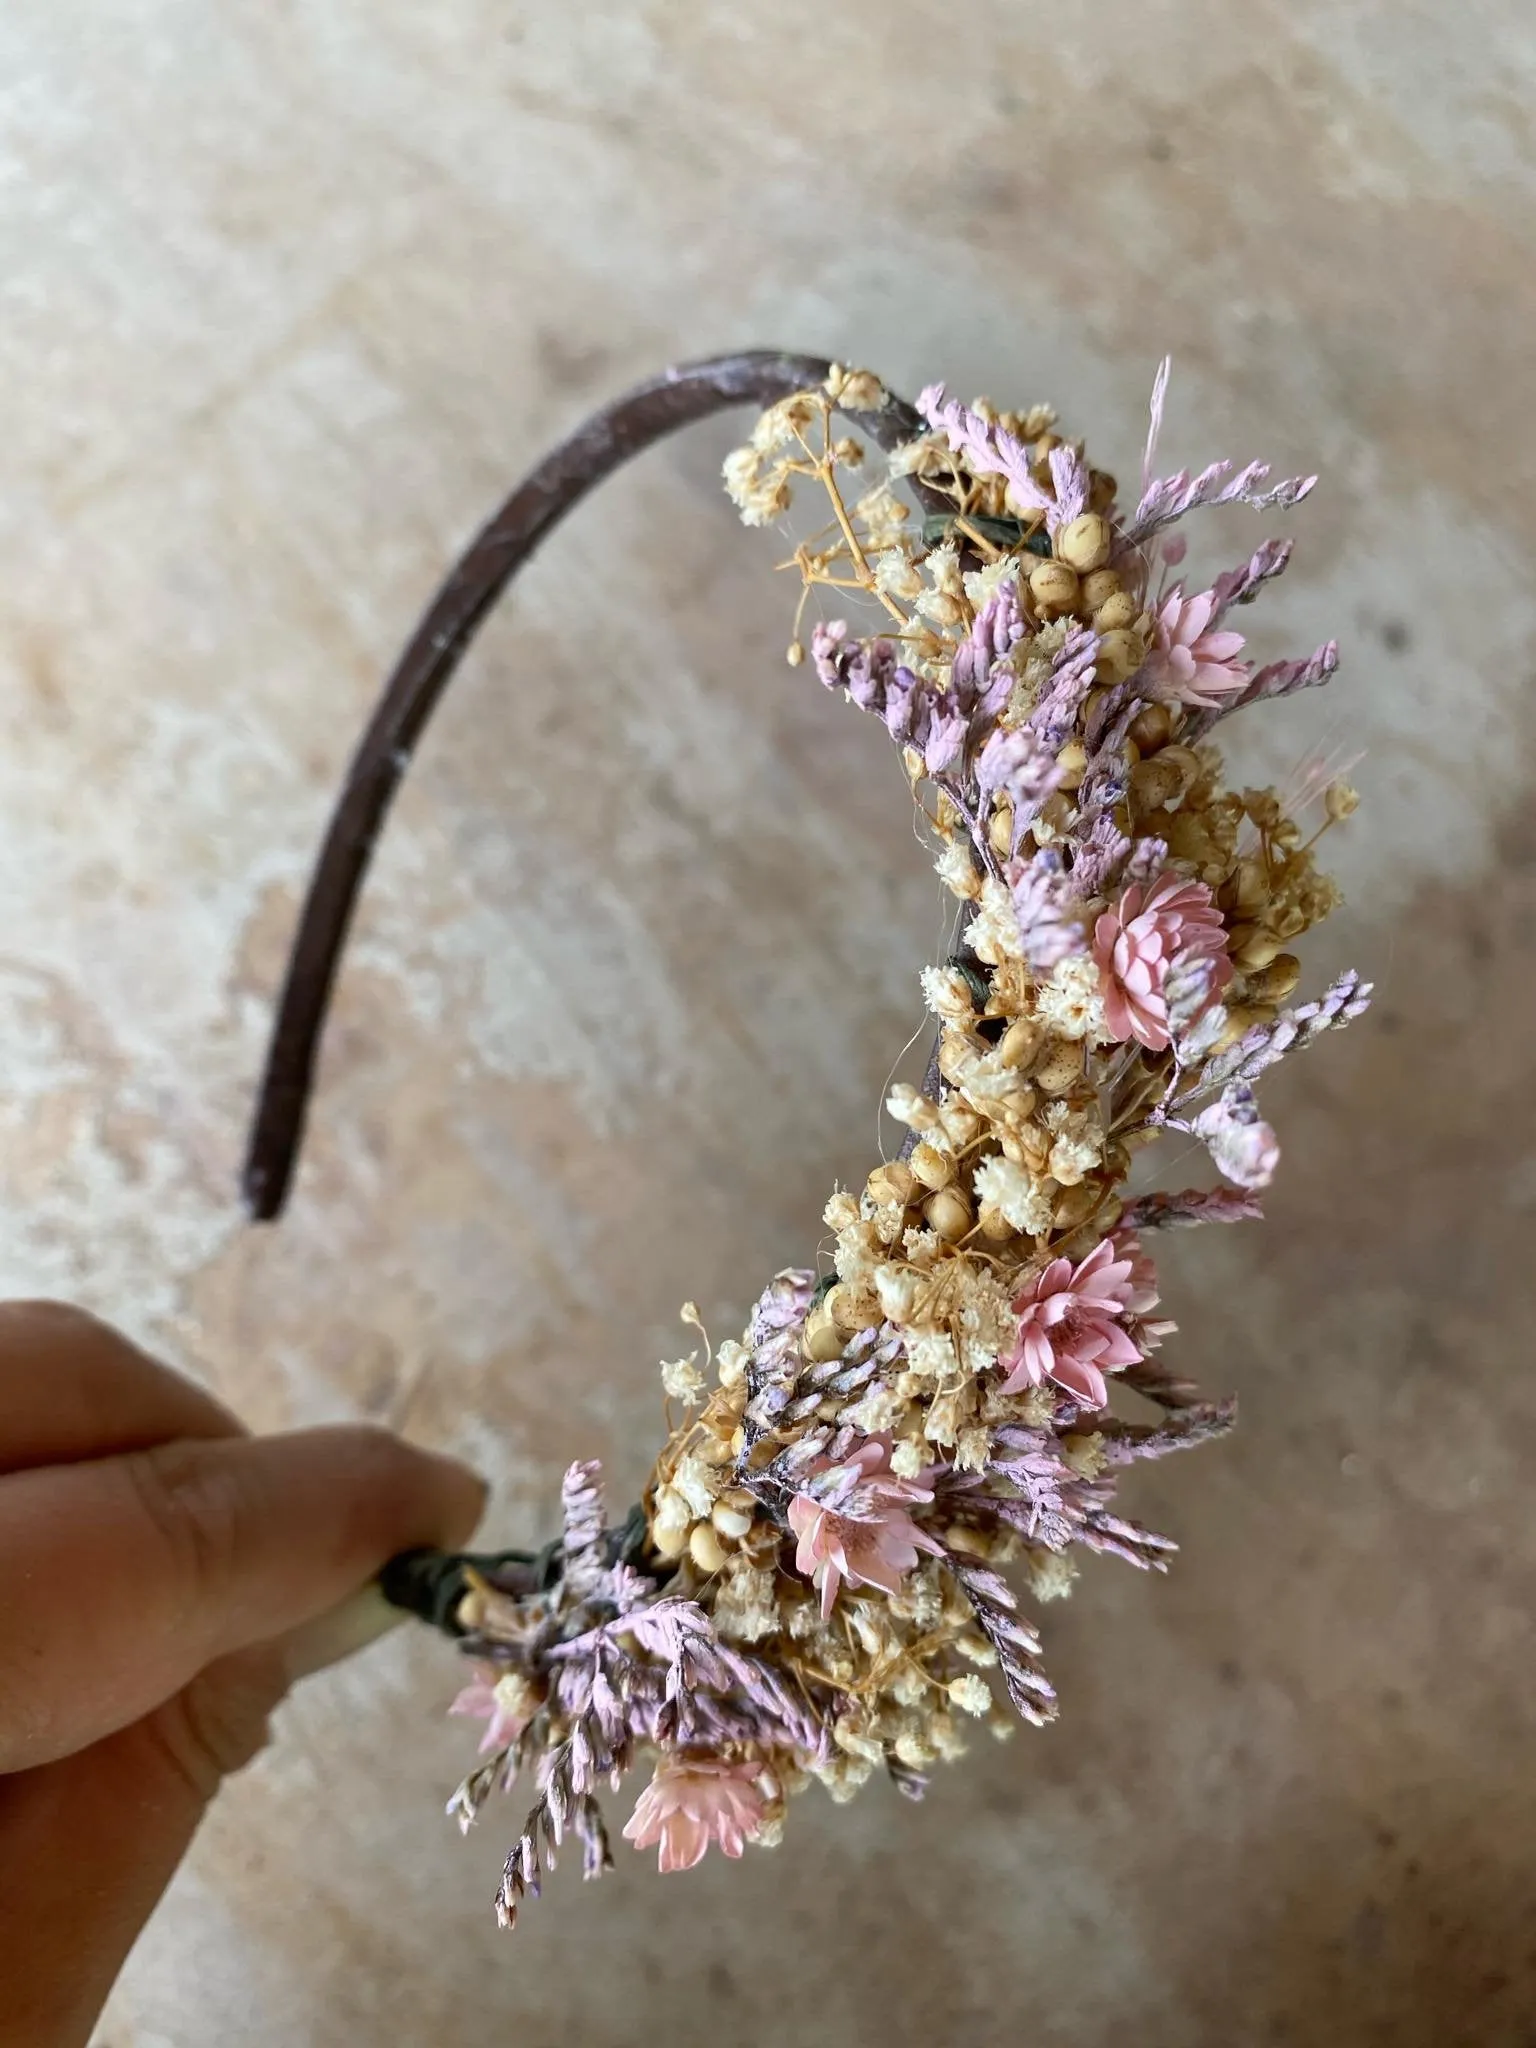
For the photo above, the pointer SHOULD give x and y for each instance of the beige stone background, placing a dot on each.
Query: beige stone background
(291, 291)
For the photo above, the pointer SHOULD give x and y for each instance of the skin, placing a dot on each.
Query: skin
(165, 1578)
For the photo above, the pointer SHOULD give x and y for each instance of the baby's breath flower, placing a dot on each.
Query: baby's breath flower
(994, 932)
(956, 869)
(895, 573)
(761, 495)
(731, 1361)
(970, 1693)
(948, 994)
(855, 390)
(682, 1381)
(1079, 1141)
(1014, 1193)
(910, 1106)
(931, 1354)
(1069, 1001)
(1051, 1573)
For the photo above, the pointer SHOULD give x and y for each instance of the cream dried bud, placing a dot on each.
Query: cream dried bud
(794, 654)
(1085, 1453)
(1152, 727)
(853, 1307)
(1121, 653)
(1053, 586)
(1099, 587)
(935, 1169)
(855, 390)
(1020, 1042)
(1116, 613)
(1072, 765)
(821, 1340)
(671, 1518)
(1155, 783)
(949, 1214)
(1277, 981)
(705, 1548)
(842, 1210)
(1026, 1145)
(1341, 800)
(1075, 1205)
(1050, 1574)
(1252, 946)
(731, 1519)
(1085, 542)
(1060, 1067)
(1000, 830)
(993, 1224)
(956, 1054)
(894, 1182)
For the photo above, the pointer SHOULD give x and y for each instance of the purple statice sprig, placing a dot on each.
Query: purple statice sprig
(1170, 498)
(996, 1608)
(1344, 1000)
(1241, 586)
(1188, 1207)
(1046, 904)
(991, 450)
(944, 725)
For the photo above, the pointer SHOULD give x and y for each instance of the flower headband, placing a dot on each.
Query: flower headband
(824, 1577)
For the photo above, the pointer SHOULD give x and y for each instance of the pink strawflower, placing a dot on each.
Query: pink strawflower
(1188, 664)
(485, 1699)
(693, 1801)
(1070, 1327)
(1137, 940)
(856, 1525)
(1141, 1294)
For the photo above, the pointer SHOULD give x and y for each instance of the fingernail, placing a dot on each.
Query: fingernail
(358, 1621)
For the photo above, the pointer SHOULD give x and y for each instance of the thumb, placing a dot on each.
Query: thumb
(123, 1579)
(90, 1842)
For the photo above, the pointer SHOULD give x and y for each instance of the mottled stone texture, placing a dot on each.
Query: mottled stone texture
(291, 292)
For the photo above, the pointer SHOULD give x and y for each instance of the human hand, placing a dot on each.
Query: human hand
(164, 1578)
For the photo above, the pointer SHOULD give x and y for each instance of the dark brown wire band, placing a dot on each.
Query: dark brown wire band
(647, 414)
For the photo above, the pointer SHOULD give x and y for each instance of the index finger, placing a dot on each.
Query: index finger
(71, 1388)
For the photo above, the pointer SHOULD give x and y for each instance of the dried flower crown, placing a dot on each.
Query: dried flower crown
(814, 1587)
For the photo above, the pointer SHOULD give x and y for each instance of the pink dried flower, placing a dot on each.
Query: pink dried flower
(486, 1699)
(856, 1525)
(1070, 1327)
(1137, 940)
(1190, 663)
(1142, 1293)
(693, 1801)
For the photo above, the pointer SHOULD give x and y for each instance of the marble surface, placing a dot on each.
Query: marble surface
(291, 292)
